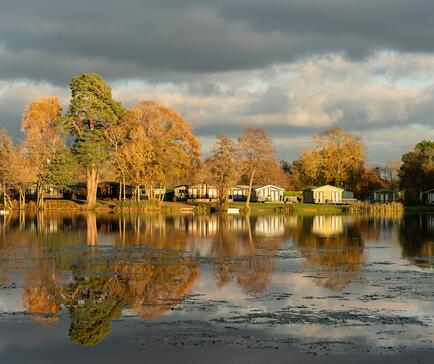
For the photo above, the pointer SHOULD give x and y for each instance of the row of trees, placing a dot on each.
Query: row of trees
(42, 158)
(339, 158)
(151, 145)
(251, 160)
(147, 145)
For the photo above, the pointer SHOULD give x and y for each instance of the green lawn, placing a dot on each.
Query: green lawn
(293, 193)
(298, 208)
(258, 205)
(271, 207)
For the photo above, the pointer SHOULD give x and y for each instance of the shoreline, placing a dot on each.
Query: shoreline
(168, 207)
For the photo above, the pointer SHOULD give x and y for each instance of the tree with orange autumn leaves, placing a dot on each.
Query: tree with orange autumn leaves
(154, 146)
(171, 149)
(257, 152)
(42, 157)
(44, 142)
(223, 167)
(336, 158)
(339, 158)
(16, 170)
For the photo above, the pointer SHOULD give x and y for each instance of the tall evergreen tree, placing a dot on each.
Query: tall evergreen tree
(91, 111)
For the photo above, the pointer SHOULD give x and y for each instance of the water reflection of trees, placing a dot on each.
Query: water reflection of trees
(40, 294)
(245, 250)
(97, 266)
(92, 304)
(417, 239)
(97, 284)
(149, 282)
(102, 286)
(101, 289)
(334, 246)
(239, 249)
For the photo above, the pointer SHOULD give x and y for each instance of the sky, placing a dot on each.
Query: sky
(292, 67)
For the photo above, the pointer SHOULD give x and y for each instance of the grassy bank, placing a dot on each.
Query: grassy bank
(258, 206)
(203, 208)
(134, 206)
(307, 208)
(394, 209)
(298, 208)
(63, 205)
(55, 204)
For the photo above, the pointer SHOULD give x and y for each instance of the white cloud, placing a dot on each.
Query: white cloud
(387, 99)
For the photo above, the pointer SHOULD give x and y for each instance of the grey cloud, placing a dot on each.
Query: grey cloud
(192, 40)
(138, 38)
(229, 64)
(275, 100)
(14, 97)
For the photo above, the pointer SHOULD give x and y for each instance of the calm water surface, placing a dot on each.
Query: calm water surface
(94, 286)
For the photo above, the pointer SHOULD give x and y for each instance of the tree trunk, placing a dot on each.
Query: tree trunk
(162, 193)
(223, 193)
(6, 199)
(137, 193)
(40, 196)
(249, 192)
(148, 191)
(22, 198)
(124, 188)
(92, 187)
(9, 202)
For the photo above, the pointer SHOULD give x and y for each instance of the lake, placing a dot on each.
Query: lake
(101, 288)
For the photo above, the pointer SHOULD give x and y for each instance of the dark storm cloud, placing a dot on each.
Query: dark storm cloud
(42, 39)
(293, 67)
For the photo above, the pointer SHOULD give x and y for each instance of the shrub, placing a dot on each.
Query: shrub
(379, 209)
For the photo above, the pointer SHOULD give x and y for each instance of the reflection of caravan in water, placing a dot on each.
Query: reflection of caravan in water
(328, 225)
(236, 223)
(202, 225)
(207, 226)
(270, 225)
